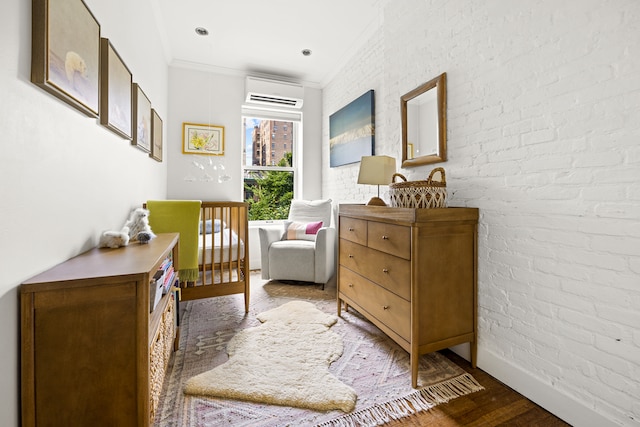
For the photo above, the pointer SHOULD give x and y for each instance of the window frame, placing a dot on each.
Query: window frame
(295, 117)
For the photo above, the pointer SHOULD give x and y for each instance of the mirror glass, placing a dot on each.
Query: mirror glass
(424, 124)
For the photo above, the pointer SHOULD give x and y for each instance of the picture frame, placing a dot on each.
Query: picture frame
(202, 139)
(115, 91)
(156, 136)
(352, 131)
(64, 62)
(141, 119)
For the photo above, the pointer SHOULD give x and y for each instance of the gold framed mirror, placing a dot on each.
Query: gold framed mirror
(424, 123)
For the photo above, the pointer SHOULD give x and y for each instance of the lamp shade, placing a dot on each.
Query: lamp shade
(376, 170)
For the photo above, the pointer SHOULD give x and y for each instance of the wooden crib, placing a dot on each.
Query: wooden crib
(223, 251)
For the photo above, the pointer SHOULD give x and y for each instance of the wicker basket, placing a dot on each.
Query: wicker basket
(419, 194)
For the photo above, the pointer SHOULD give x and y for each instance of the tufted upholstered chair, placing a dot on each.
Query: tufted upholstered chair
(310, 258)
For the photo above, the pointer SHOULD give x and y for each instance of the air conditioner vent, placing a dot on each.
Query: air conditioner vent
(273, 93)
(253, 97)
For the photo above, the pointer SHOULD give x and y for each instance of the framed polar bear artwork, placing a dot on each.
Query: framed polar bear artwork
(65, 54)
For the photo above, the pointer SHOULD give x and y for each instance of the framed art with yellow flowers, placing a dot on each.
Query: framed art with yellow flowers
(202, 139)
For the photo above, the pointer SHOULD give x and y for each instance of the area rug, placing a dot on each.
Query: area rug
(372, 364)
(284, 361)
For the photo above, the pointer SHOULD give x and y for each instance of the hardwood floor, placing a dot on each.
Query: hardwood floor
(497, 405)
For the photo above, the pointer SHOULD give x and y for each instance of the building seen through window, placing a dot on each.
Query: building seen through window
(269, 167)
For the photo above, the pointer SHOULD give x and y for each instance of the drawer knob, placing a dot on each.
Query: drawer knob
(350, 228)
(385, 307)
(385, 270)
(385, 237)
(350, 285)
(350, 256)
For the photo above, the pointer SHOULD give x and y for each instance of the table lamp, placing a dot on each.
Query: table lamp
(376, 170)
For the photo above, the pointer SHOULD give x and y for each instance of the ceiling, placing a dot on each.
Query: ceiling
(266, 37)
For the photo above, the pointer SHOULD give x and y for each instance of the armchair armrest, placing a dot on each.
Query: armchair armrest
(267, 237)
(325, 254)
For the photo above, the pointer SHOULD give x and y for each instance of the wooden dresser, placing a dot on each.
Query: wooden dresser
(92, 352)
(413, 273)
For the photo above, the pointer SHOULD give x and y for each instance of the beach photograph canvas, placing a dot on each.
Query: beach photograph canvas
(351, 131)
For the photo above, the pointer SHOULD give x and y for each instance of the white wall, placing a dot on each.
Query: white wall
(64, 177)
(200, 96)
(543, 132)
(205, 98)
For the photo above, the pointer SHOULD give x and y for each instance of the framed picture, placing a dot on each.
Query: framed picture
(156, 136)
(141, 119)
(351, 131)
(65, 53)
(202, 139)
(115, 91)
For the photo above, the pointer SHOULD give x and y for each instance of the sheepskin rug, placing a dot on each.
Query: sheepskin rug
(284, 361)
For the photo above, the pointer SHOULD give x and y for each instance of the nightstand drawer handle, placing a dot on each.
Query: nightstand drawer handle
(385, 237)
(350, 285)
(350, 256)
(350, 228)
(385, 270)
(385, 307)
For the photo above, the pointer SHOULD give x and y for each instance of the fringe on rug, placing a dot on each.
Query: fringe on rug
(420, 400)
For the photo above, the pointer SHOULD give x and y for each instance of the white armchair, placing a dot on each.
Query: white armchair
(302, 251)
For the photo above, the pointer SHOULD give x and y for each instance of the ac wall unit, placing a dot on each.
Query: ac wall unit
(273, 93)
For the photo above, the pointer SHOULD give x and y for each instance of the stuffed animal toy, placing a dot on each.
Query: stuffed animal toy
(114, 239)
(138, 224)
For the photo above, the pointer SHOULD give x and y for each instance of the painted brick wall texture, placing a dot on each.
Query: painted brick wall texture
(544, 138)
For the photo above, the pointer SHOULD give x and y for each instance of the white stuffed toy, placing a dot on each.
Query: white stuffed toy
(114, 239)
(138, 224)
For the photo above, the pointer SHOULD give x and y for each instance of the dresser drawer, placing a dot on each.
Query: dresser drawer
(353, 229)
(389, 238)
(388, 271)
(387, 307)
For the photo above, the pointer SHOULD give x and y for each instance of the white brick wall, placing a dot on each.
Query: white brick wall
(543, 137)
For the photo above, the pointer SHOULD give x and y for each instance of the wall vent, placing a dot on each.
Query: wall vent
(273, 93)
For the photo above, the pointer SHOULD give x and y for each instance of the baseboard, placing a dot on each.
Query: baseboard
(543, 394)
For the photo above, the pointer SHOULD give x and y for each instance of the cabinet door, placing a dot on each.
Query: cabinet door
(85, 356)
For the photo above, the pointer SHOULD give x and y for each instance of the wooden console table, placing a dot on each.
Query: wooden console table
(412, 273)
(92, 353)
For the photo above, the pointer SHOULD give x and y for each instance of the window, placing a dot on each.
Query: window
(270, 167)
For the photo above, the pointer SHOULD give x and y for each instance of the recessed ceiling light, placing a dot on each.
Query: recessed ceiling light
(201, 31)
(306, 52)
